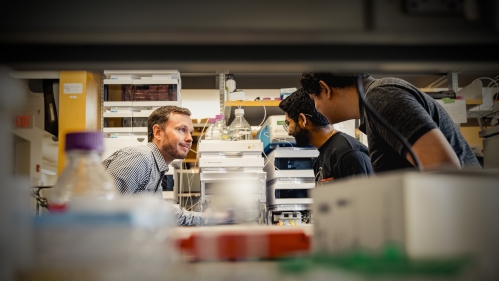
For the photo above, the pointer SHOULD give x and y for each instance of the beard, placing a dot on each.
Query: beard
(174, 150)
(301, 138)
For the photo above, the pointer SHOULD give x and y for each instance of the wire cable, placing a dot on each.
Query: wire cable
(374, 114)
(488, 90)
(241, 104)
(264, 113)
(488, 78)
(283, 171)
(284, 140)
(190, 180)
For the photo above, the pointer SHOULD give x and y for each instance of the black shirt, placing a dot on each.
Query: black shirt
(412, 113)
(341, 156)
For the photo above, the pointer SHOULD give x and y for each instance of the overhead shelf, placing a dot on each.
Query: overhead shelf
(471, 103)
(254, 111)
(252, 103)
(116, 114)
(117, 130)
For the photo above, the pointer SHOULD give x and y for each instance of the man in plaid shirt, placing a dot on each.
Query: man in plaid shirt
(140, 169)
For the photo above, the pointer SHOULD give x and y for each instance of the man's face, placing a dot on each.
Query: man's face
(176, 139)
(327, 104)
(300, 134)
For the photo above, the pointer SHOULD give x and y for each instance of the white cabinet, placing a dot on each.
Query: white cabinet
(131, 96)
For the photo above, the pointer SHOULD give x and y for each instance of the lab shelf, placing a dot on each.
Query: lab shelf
(117, 81)
(129, 98)
(189, 194)
(117, 130)
(254, 111)
(142, 113)
(253, 103)
(117, 114)
(139, 129)
(131, 104)
(473, 103)
(108, 104)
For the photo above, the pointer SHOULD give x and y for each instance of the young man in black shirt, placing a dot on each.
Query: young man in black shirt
(428, 129)
(340, 155)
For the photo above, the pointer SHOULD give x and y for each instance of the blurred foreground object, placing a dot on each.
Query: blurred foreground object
(390, 260)
(232, 179)
(84, 175)
(92, 233)
(121, 239)
(242, 242)
(15, 224)
(433, 215)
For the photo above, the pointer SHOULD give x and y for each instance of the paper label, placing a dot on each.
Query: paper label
(456, 110)
(73, 88)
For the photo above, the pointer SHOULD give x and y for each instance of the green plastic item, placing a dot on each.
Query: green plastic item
(448, 100)
(391, 260)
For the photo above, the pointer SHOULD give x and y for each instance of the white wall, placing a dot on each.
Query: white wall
(33, 105)
(201, 103)
(347, 127)
(35, 138)
(206, 103)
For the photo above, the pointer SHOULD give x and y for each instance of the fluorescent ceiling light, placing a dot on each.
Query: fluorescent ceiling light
(47, 172)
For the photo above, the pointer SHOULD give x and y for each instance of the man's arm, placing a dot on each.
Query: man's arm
(434, 152)
(188, 218)
(405, 112)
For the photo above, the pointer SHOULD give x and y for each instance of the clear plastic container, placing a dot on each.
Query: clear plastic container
(240, 128)
(230, 84)
(211, 122)
(84, 175)
(218, 127)
(122, 239)
(226, 134)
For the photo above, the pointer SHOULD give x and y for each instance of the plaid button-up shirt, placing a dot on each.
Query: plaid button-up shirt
(140, 169)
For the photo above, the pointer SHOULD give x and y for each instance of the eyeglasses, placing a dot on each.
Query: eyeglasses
(286, 122)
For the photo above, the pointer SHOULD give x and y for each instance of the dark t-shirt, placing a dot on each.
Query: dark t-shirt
(341, 156)
(412, 113)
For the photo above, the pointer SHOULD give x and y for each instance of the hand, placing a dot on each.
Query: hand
(217, 217)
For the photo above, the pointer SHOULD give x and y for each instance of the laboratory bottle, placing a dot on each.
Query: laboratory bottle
(84, 176)
(241, 129)
(226, 134)
(218, 127)
(230, 84)
(207, 134)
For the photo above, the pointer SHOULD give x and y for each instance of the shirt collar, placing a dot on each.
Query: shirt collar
(367, 82)
(160, 160)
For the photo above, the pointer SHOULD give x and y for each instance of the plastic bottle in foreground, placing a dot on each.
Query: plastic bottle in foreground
(84, 175)
(241, 129)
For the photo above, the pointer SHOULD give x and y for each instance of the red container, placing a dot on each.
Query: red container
(241, 244)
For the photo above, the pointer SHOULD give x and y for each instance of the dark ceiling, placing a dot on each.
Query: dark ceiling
(420, 40)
